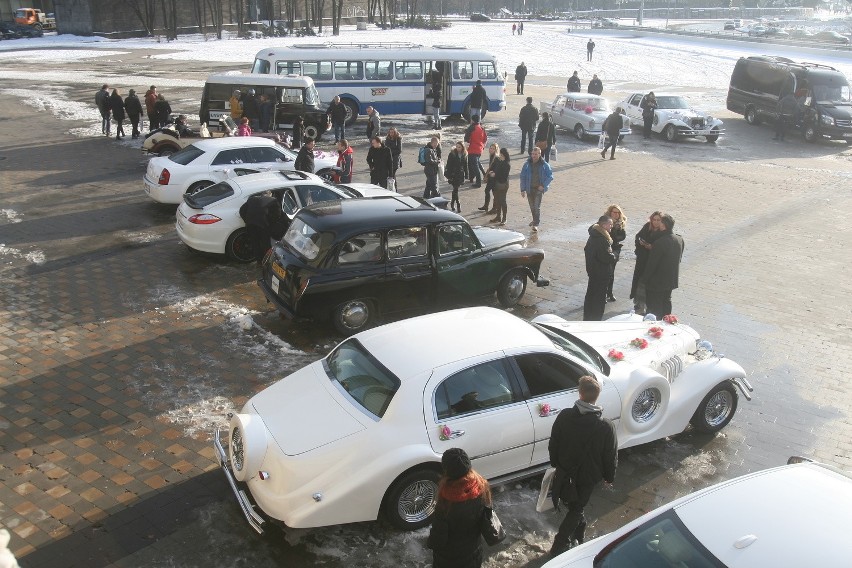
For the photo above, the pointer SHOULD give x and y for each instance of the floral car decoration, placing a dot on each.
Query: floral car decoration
(670, 319)
(639, 342)
(656, 332)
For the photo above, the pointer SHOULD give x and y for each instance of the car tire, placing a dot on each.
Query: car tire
(353, 316)
(511, 288)
(247, 445)
(198, 186)
(410, 501)
(351, 111)
(751, 116)
(37, 27)
(239, 246)
(716, 409)
(670, 133)
(810, 133)
(166, 150)
(648, 404)
(312, 132)
(580, 132)
(711, 139)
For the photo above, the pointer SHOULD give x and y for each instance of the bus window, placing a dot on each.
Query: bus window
(462, 70)
(408, 70)
(379, 70)
(487, 70)
(261, 66)
(317, 70)
(348, 70)
(288, 68)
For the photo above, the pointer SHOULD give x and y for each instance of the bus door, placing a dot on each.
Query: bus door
(436, 76)
(289, 103)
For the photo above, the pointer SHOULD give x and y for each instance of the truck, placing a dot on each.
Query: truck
(35, 18)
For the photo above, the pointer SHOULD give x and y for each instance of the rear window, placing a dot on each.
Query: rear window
(368, 382)
(212, 194)
(186, 155)
(303, 239)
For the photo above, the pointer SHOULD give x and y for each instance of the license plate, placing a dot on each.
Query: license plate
(279, 271)
(275, 284)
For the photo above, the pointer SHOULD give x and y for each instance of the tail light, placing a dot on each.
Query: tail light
(164, 177)
(204, 219)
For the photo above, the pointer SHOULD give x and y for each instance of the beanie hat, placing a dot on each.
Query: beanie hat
(456, 463)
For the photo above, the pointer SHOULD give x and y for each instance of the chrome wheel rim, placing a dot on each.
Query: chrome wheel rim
(354, 315)
(417, 501)
(515, 288)
(718, 408)
(646, 405)
(237, 451)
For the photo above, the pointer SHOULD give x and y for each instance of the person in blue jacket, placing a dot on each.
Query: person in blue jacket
(536, 176)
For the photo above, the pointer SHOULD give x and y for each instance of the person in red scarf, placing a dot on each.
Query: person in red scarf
(463, 494)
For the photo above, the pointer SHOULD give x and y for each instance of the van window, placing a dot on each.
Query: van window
(288, 68)
(379, 70)
(408, 70)
(462, 70)
(293, 96)
(220, 93)
(260, 66)
(348, 70)
(487, 70)
(318, 70)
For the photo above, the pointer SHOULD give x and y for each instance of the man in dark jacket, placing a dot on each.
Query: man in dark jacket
(661, 272)
(520, 77)
(163, 110)
(478, 101)
(431, 154)
(599, 261)
(337, 114)
(788, 107)
(584, 450)
(133, 106)
(590, 47)
(574, 85)
(260, 212)
(527, 120)
(102, 102)
(251, 109)
(595, 85)
(612, 126)
(380, 161)
(305, 158)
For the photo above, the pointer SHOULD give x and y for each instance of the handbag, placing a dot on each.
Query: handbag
(602, 141)
(491, 528)
(554, 155)
(544, 501)
(391, 184)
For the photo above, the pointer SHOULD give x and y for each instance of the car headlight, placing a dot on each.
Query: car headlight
(825, 119)
(703, 349)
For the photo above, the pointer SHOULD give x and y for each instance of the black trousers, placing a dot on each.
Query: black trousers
(658, 302)
(134, 122)
(520, 87)
(527, 139)
(612, 277)
(646, 126)
(260, 241)
(595, 302)
(573, 526)
(611, 142)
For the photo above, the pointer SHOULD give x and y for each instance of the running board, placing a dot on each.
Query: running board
(519, 475)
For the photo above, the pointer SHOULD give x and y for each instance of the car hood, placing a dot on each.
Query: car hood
(492, 238)
(682, 113)
(302, 412)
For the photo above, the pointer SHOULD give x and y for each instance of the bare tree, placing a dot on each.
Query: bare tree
(372, 5)
(336, 14)
(318, 8)
(144, 10)
(216, 16)
(169, 8)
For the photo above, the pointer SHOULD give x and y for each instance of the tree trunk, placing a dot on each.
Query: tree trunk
(336, 15)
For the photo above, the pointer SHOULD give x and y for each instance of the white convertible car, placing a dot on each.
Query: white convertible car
(674, 118)
(582, 114)
(361, 432)
(746, 522)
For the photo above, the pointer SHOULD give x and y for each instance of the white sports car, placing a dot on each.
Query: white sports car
(674, 118)
(794, 515)
(362, 431)
(209, 160)
(209, 220)
(582, 114)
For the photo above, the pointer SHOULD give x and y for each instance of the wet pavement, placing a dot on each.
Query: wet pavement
(121, 350)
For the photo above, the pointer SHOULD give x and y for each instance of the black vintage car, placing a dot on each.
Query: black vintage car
(355, 260)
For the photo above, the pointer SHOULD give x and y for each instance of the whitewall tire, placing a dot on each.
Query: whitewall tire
(247, 446)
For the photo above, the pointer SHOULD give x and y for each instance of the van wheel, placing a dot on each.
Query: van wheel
(239, 246)
(810, 134)
(351, 111)
(751, 116)
(37, 27)
(312, 132)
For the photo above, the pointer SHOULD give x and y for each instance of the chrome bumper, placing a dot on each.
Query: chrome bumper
(744, 386)
(699, 132)
(253, 518)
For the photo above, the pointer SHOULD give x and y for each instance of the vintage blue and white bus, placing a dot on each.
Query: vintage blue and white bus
(393, 78)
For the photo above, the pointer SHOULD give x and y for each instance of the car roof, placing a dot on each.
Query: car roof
(574, 95)
(799, 514)
(261, 80)
(229, 142)
(484, 330)
(376, 213)
(368, 189)
(251, 183)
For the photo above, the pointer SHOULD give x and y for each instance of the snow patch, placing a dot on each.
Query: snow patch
(34, 257)
(10, 215)
(57, 55)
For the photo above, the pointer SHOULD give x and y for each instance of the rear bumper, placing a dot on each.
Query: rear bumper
(273, 298)
(197, 243)
(254, 519)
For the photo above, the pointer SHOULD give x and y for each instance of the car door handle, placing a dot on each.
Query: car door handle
(452, 434)
(550, 411)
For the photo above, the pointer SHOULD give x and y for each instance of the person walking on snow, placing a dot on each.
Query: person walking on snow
(590, 47)
(150, 101)
(102, 102)
(612, 127)
(527, 121)
(133, 106)
(520, 77)
(116, 105)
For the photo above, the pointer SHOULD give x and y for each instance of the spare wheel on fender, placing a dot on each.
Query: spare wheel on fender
(647, 402)
(247, 446)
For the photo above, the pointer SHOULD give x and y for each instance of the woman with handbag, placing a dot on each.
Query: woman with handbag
(545, 136)
(618, 234)
(493, 152)
(393, 140)
(500, 174)
(644, 243)
(456, 173)
(464, 502)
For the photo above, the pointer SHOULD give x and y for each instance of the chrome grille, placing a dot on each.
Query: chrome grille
(671, 368)
(697, 123)
(843, 123)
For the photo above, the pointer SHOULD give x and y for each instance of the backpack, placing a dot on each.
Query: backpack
(423, 156)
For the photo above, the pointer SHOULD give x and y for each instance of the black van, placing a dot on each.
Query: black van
(823, 92)
(293, 95)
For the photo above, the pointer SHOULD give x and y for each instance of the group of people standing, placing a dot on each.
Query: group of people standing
(658, 254)
(252, 111)
(574, 85)
(112, 107)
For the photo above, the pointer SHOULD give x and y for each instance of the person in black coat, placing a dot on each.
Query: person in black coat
(574, 85)
(456, 172)
(661, 273)
(546, 133)
(298, 127)
(595, 85)
(163, 110)
(527, 120)
(251, 109)
(455, 538)
(618, 234)
(393, 140)
(260, 213)
(599, 261)
(644, 241)
(116, 105)
(520, 77)
(337, 115)
(649, 108)
(590, 48)
(584, 449)
(612, 126)
(133, 106)
(305, 157)
(380, 161)
(478, 101)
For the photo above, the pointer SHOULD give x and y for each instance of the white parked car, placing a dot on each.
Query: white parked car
(209, 220)
(794, 515)
(209, 160)
(362, 431)
(582, 114)
(674, 118)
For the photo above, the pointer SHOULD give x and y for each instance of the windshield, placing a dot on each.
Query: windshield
(662, 541)
(831, 93)
(591, 103)
(261, 66)
(312, 96)
(672, 102)
(303, 239)
(366, 380)
(570, 344)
